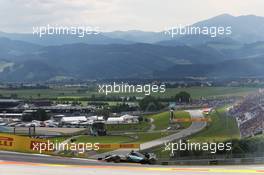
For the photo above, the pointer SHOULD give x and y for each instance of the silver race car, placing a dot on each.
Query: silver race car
(132, 157)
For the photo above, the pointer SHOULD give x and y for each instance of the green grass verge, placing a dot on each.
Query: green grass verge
(76, 93)
(182, 115)
(103, 139)
(161, 120)
(222, 128)
(145, 137)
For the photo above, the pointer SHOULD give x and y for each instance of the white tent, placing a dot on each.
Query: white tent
(123, 119)
(74, 119)
(95, 117)
(115, 120)
(129, 117)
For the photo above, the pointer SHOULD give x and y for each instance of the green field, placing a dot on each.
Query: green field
(42, 93)
(161, 120)
(145, 137)
(138, 137)
(222, 128)
(103, 139)
(76, 93)
(197, 92)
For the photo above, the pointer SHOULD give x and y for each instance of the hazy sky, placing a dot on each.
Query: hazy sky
(151, 15)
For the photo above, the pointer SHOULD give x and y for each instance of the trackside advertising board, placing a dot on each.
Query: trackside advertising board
(26, 144)
(20, 143)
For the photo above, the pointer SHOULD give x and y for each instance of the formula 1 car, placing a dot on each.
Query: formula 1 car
(132, 157)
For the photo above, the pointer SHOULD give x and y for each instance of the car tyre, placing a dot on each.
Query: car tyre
(117, 159)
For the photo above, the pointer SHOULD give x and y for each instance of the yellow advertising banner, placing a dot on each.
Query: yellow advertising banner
(20, 143)
(26, 144)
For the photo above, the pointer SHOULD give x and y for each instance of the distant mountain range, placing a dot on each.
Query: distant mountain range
(245, 29)
(136, 54)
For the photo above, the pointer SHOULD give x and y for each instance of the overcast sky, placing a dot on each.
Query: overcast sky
(150, 15)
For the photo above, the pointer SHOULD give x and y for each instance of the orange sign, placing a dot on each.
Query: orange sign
(127, 146)
(119, 146)
(200, 119)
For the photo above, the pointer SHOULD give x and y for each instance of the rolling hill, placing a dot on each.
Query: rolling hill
(136, 54)
(84, 61)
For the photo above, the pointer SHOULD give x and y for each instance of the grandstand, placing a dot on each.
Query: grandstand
(249, 114)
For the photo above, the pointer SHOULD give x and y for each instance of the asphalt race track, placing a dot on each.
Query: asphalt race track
(33, 164)
(26, 164)
(194, 128)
